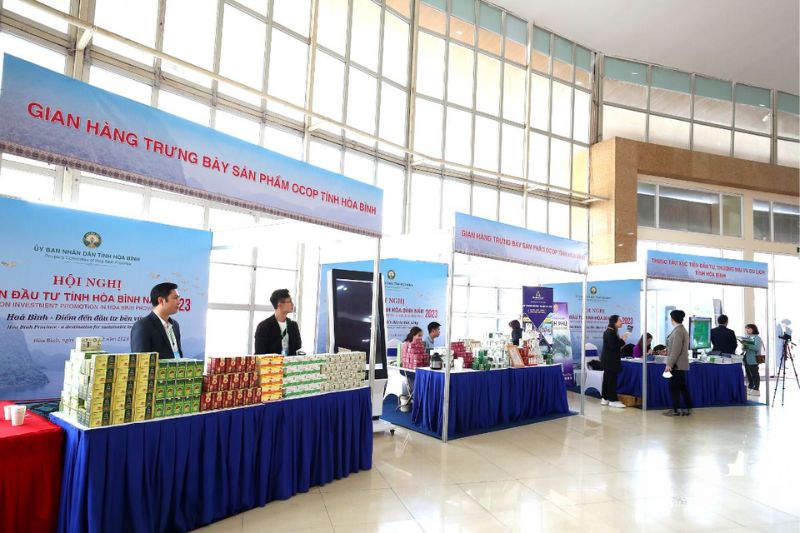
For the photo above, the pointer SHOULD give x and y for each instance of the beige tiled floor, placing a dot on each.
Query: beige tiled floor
(726, 469)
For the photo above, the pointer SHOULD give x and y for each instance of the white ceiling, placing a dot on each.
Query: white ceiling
(748, 41)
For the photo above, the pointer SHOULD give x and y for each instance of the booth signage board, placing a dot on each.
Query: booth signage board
(537, 303)
(495, 240)
(603, 299)
(700, 269)
(66, 273)
(415, 295)
(45, 115)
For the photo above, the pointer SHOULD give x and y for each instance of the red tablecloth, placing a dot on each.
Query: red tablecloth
(30, 474)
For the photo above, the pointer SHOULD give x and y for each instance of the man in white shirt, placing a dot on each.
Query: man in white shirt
(279, 334)
(158, 332)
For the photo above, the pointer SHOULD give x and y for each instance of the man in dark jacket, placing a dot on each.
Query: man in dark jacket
(723, 340)
(278, 334)
(158, 332)
(610, 357)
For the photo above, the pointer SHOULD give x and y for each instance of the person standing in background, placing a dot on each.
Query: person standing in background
(752, 349)
(678, 365)
(516, 332)
(610, 357)
(278, 334)
(723, 340)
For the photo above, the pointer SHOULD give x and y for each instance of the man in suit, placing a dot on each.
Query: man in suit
(278, 334)
(723, 340)
(158, 332)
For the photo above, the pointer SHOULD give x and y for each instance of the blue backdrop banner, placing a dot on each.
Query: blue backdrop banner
(495, 240)
(67, 273)
(49, 116)
(682, 267)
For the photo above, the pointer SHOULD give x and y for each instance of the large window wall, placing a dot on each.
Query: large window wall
(663, 106)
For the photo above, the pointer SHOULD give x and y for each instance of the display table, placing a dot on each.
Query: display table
(30, 473)
(710, 384)
(482, 401)
(177, 474)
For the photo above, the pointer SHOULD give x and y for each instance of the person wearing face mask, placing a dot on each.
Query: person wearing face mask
(278, 334)
(611, 359)
(678, 365)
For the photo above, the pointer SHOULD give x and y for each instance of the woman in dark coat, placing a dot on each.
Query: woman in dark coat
(610, 357)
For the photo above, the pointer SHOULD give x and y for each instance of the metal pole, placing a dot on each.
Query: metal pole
(644, 348)
(583, 345)
(448, 338)
(770, 297)
(373, 335)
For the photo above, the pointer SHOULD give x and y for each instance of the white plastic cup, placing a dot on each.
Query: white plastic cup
(18, 415)
(7, 412)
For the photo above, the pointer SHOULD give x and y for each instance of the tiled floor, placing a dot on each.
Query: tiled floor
(724, 469)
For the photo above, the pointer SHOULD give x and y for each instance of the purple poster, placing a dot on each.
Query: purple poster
(537, 303)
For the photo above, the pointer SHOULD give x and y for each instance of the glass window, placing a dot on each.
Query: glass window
(184, 107)
(19, 183)
(432, 15)
(425, 200)
(269, 279)
(394, 110)
(514, 93)
(671, 92)
(761, 221)
(366, 30)
(562, 59)
(325, 155)
(242, 52)
(711, 140)
(110, 200)
(237, 126)
(121, 85)
(712, 101)
(646, 205)
(189, 29)
(462, 23)
(559, 218)
(538, 157)
(283, 141)
(731, 216)
(788, 115)
(134, 20)
(460, 75)
(332, 24)
(511, 208)
(562, 110)
(560, 157)
(510, 300)
(487, 95)
(786, 221)
(625, 83)
(391, 178)
(430, 66)
(292, 14)
(226, 331)
(177, 212)
(540, 51)
(483, 300)
(788, 153)
(583, 67)
(455, 198)
(516, 39)
(753, 109)
(669, 132)
(490, 37)
(623, 123)
(537, 214)
(540, 102)
(395, 49)
(752, 147)
(39, 16)
(44, 57)
(458, 141)
(580, 223)
(684, 210)
(580, 168)
(287, 72)
(512, 149)
(582, 116)
(484, 201)
(361, 100)
(428, 128)
(486, 143)
(401, 6)
(359, 167)
(328, 86)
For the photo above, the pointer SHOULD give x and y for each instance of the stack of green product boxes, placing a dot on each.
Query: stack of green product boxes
(179, 383)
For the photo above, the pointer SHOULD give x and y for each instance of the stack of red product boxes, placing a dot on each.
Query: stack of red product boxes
(460, 350)
(416, 356)
(230, 382)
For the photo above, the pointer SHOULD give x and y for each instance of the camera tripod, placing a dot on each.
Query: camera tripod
(786, 355)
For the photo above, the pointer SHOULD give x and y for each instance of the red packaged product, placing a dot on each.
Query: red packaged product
(217, 400)
(246, 384)
(251, 363)
(248, 396)
(236, 381)
(225, 382)
(205, 401)
(240, 364)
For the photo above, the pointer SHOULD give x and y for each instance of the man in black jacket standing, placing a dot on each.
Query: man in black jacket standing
(278, 334)
(611, 359)
(723, 340)
(158, 332)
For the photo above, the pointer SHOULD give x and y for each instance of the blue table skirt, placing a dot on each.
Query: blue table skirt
(181, 473)
(711, 385)
(482, 400)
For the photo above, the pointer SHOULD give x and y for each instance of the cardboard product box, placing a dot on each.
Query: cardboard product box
(630, 401)
(161, 372)
(225, 382)
(205, 401)
(236, 380)
(161, 389)
(217, 400)
(169, 408)
(244, 380)
(179, 389)
(170, 389)
(187, 406)
(88, 344)
(158, 409)
(197, 387)
(195, 406)
(180, 371)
